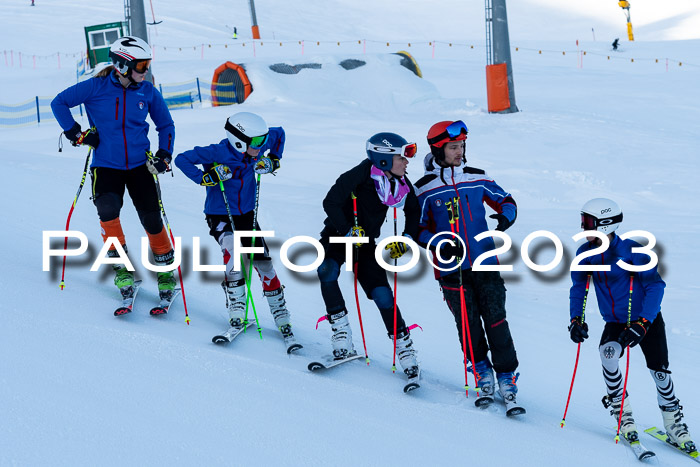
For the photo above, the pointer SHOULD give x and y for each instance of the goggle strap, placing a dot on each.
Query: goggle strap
(239, 134)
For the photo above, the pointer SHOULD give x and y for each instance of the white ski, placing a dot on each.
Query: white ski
(330, 362)
(230, 334)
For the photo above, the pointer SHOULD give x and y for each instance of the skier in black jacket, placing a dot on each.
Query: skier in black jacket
(377, 184)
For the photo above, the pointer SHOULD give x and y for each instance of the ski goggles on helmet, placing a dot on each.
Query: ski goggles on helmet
(256, 142)
(142, 66)
(452, 131)
(407, 150)
(589, 222)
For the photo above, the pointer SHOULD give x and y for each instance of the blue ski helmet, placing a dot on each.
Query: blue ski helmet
(382, 147)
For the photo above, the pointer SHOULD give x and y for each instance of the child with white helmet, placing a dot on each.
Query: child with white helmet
(630, 303)
(250, 148)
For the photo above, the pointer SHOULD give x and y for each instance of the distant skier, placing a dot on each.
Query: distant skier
(234, 161)
(615, 43)
(452, 196)
(377, 183)
(117, 101)
(640, 307)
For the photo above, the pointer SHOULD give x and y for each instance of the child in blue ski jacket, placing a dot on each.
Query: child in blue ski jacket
(117, 101)
(452, 197)
(250, 148)
(630, 303)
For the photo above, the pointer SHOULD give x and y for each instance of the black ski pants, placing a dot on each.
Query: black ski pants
(370, 275)
(653, 345)
(485, 302)
(109, 185)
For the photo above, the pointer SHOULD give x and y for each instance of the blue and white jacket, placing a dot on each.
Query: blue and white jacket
(240, 189)
(472, 187)
(612, 289)
(119, 114)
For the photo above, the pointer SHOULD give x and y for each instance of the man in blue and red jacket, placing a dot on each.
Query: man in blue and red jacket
(117, 101)
(250, 147)
(452, 198)
(630, 303)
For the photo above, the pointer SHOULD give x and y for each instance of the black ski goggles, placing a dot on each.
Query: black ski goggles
(142, 66)
(452, 131)
(589, 222)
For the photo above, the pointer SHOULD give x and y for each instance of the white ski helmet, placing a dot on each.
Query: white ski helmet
(245, 129)
(130, 53)
(601, 214)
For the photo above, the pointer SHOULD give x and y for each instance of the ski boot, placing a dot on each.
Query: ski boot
(485, 383)
(342, 335)
(406, 354)
(278, 308)
(235, 301)
(508, 389)
(628, 429)
(676, 430)
(124, 279)
(166, 285)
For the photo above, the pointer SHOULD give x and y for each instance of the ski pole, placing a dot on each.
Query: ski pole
(172, 238)
(627, 369)
(463, 304)
(356, 259)
(62, 285)
(393, 366)
(578, 352)
(249, 277)
(230, 219)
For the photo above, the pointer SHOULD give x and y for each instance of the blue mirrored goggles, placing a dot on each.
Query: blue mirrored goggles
(452, 131)
(457, 128)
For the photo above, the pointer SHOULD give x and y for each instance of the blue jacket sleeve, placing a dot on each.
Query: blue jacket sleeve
(188, 161)
(164, 122)
(653, 287)
(68, 98)
(275, 141)
(500, 200)
(578, 287)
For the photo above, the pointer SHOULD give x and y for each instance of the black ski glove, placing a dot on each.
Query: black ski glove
(160, 163)
(503, 222)
(454, 248)
(267, 164)
(578, 330)
(634, 333)
(78, 137)
(213, 176)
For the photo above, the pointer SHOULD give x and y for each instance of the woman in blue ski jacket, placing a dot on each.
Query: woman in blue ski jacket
(117, 101)
(630, 303)
(250, 148)
(452, 197)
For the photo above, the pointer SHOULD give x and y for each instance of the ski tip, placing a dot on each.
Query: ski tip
(219, 340)
(293, 348)
(483, 402)
(410, 387)
(158, 311)
(122, 311)
(313, 366)
(515, 411)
